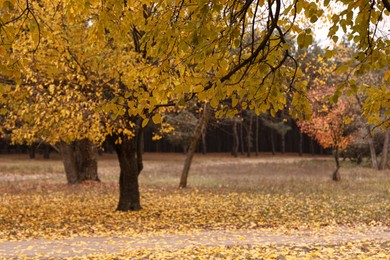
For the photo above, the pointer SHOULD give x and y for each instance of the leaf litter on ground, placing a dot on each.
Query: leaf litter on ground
(53, 210)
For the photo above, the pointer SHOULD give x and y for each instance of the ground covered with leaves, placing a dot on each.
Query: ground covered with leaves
(225, 194)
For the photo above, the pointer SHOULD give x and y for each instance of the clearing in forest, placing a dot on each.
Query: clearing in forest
(258, 207)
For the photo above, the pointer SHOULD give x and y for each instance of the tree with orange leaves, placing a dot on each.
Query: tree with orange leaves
(332, 123)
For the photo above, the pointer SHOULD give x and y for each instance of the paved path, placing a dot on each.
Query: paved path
(92, 245)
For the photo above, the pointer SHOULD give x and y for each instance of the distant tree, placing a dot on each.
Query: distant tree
(183, 124)
(197, 132)
(385, 150)
(331, 124)
(279, 126)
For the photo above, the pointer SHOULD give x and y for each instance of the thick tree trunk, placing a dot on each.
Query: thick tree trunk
(80, 161)
(86, 156)
(371, 145)
(257, 136)
(70, 162)
(129, 196)
(336, 174)
(236, 139)
(203, 121)
(385, 151)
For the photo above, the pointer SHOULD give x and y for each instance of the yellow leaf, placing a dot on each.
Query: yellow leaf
(145, 122)
(156, 118)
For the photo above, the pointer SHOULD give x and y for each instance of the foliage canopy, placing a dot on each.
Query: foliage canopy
(78, 62)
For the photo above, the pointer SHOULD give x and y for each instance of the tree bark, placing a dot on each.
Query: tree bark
(336, 174)
(140, 146)
(283, 143)
(242, 136)
(80, 161)
(204, 143)
(46, 151)
(300, 143)
(32, 150)
(70, 163)
(129, 196)
(273, 141)
(86, 156)
(257, 136)
(385, 151)
(371, 145)
(312, 147)
(249, 136)
(236, 139)
(386, 3)
(203, 121)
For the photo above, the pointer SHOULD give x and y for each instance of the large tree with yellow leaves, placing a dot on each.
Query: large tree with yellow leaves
(92, 69)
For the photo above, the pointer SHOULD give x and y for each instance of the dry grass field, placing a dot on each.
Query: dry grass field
(286, 195)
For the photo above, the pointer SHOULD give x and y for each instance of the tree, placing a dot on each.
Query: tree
(183, 124)
(80, 161)
(331, 124)
(201, 124)
(385, 151)
(129, 59)
(280, 126)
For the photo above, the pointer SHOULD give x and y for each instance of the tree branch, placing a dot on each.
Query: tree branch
(386, 3)
(259, 48)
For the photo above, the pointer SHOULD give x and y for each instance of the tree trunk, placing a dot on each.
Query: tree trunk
(86, 156)
(257, 136)
(70, 163)
(31, 150)
(46, 151)
(236, 139)
(283, 143)
(80, 161)
(129, 196)
(336, 174)
(203, 121)
(204, 144)
(249, 136)
(300, 143)
(242, 136)
(312, 147)
(371, 145)
(385, 151)
(273, 141)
